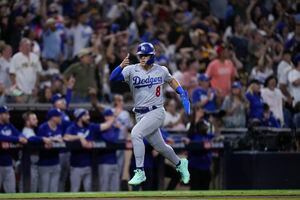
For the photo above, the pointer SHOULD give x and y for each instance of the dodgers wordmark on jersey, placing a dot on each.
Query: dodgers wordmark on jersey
(146, 85)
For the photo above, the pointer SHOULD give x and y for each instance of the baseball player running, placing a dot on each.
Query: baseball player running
(146, 81)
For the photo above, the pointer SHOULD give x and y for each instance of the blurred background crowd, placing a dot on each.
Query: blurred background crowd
(255, 43)
(239, 60)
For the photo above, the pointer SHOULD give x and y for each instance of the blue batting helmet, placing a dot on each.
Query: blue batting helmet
(146, 48)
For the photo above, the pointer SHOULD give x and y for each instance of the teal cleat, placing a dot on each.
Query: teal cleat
(138, 178)
(184, 171)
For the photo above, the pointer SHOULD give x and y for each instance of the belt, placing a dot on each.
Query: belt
(143, 110)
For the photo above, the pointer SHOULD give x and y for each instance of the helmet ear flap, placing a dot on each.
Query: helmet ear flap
(151, 60)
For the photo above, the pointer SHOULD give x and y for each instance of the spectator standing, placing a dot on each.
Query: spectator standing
(189, 77)
(48, 164)
(85, 75)
(235, 107)
(5, 63)
(222, 72)
(25, 69)
(81, 33)
(263, 69)
(173, 120)
(283, 69)
(81, 160)
(52, 42)
(294, 80)
(8, 134)
(253, 95)
(273, 97)
(204, 95)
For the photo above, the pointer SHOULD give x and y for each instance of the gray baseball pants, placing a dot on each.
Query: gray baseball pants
(33, 175)
(49, 178)
(147, 126)
(64, 161)
(120, 161)
(109, 177)
(8, 179)
(78, 175)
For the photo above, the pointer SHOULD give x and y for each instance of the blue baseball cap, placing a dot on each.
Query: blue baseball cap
(3, 109)
(236, 84)
(203, 77)
(108, 112)
(79, 112)
(56, 97)
(54, 112)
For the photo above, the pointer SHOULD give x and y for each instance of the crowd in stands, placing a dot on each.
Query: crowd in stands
(239, 60)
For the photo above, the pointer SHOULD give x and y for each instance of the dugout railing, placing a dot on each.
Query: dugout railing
(231, 142)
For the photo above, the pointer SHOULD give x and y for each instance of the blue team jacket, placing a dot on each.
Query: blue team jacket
(48, 157)
(82, 157)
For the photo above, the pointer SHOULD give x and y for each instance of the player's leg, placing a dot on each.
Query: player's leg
(120, 160)
(103, 175)
(158, 143)
(87, 179)
(114, 178)
(54, 179)
(75, 179)
(9, 184)
(34, 178)
(150, 122)
(44, 178)
(64, 160)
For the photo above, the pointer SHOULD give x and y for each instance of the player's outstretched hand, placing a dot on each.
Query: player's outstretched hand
(125, 62)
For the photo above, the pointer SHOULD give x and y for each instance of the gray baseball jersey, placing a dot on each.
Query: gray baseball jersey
(147, 86)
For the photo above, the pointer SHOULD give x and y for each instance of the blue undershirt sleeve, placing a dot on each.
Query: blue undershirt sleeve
(116, 74)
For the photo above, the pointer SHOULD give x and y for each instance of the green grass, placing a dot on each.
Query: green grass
(217, 194)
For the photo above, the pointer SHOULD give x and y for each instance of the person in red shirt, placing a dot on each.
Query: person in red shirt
(221, 71)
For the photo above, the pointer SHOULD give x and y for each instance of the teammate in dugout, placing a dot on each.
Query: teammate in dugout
(146, 81)
(81, 161)
(8, 134)
(48, 164)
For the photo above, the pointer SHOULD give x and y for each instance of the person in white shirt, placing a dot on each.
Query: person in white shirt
(5, 62)
(294, 80)
(25, 68)
(263, 69)
(273, 97)
(173, 120)
(284, 67)
(81, 33)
